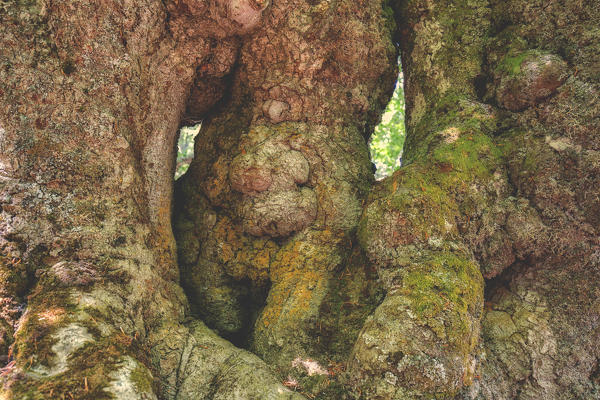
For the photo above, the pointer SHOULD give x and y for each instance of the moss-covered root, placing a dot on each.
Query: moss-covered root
(68, 344)
(410, 231)
(419, 343)
(300, 272)
(74, 343)
(83, 369)
(13, 284)
(212, 368)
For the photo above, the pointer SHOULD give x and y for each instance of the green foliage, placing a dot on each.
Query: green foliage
(386, 142)
(185, 149)
(388, 139)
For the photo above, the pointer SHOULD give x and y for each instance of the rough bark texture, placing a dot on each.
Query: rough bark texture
(471, 273)
(92, 95)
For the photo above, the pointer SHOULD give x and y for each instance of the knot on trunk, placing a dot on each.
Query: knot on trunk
(68, 274)
(527, 79)
(218, 19)
(269, 177)
(275, 110)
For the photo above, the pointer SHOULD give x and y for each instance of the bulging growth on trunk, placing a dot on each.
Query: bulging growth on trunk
(277, 267)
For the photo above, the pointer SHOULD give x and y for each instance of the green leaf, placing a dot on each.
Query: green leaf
(387, 141)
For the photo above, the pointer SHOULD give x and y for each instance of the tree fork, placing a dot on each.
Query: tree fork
(347, 288)
(274, 194)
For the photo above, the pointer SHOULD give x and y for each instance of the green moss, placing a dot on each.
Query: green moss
(425, 208)
(142, 379)
(34, 337)
(431, 190)
(472, 156)
(334, 390)
(512, 64)
(88, 373)
(50, 308)
(31, 6)
(314, 384)
(445, 284)
(452, 116)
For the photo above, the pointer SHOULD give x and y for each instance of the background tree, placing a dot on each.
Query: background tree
(471, 272)
(387, 141)
(185, 149)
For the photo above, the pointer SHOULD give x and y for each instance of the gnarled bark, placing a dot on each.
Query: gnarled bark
(92, 95)
(470, 273)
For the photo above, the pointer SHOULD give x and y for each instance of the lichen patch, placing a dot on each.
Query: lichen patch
(310, 366)
(125, 383)
(69, 339)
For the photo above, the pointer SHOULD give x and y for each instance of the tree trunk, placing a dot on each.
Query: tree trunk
(470, 273)
(92, 95)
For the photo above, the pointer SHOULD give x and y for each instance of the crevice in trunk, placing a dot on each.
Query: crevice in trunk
(386, 143)
(254, 299)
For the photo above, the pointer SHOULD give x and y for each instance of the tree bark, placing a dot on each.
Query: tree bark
(92, 95)
(471, 273)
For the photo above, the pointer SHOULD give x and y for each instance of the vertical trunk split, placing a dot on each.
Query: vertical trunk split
(269, 206)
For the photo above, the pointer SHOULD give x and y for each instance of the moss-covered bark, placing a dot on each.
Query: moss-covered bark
(456, 213)
(268, 209)
(542, 73)
(471, 273)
